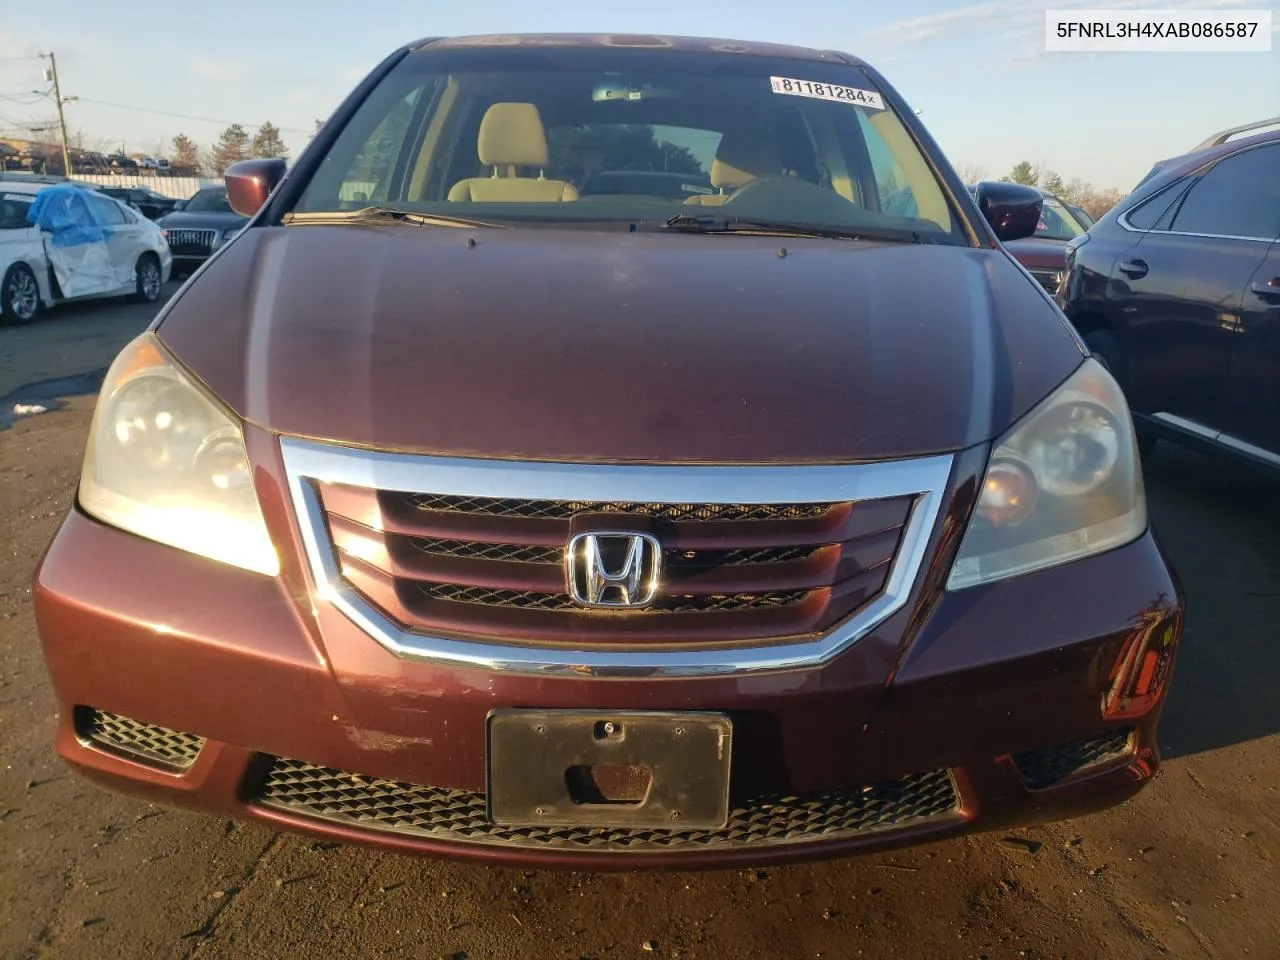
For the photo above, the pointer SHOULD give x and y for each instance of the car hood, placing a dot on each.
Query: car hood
(180, 219)
(584, 345)
(1036, 253)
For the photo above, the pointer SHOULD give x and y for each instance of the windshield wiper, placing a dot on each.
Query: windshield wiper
(384, 215)
(704, 223)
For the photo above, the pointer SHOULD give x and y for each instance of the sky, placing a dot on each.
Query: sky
(977, 72)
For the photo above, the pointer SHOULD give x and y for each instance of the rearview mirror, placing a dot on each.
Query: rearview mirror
(179, 204)
(1013, 210)
(250, 182)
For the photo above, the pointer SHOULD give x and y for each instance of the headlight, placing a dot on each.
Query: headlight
(166, 462)
(1065, 482)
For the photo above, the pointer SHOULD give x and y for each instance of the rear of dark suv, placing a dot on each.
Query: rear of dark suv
(1177, 290)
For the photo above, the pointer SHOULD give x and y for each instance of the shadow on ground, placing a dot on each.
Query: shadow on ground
(1224, 687)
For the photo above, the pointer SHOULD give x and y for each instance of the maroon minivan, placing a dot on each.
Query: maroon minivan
(760, 510)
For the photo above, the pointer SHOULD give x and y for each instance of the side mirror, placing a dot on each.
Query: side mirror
(178, 205)
(1012, 209)
(250, 182)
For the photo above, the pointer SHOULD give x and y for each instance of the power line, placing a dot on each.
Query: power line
(34, 56)
(180, 116)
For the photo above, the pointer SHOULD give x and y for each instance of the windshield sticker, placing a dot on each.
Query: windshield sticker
(827, 91)
(20, 197)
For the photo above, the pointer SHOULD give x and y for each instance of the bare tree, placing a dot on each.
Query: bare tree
(972, 172)
(1098, 202)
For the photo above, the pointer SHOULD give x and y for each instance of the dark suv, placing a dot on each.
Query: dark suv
(199, 226)
(1177, 290)
(150, 204)
(482, 501)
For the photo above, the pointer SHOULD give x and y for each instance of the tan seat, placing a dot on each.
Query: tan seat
(511, 136)
(740, 158)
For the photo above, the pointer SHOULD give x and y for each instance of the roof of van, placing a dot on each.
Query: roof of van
(636, 41)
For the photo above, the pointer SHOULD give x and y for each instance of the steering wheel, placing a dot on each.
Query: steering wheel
(793, 200)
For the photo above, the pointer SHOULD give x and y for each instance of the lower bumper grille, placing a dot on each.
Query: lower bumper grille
(1043, 768)
(461, 816)
(145, 742)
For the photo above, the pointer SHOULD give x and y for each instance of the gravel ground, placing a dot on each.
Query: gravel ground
(1189, 869)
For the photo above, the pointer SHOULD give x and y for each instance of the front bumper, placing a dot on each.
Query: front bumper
(186, 263)
(307, 723)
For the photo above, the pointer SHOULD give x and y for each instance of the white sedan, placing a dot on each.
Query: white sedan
(63, 241)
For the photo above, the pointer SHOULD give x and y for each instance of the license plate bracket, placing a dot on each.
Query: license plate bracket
(543, 768)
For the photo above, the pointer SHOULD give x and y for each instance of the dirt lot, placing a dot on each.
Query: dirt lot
(1191, 868)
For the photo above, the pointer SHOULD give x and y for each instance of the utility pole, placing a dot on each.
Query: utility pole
(62, 120)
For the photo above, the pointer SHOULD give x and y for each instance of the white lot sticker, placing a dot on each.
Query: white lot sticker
(20, 197)
(827, 91)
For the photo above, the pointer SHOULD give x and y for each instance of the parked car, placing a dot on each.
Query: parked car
(475, 520)
(146, 201)
(1044, 253)
(1081, 215)
(60, 241)
(1177, 290)
(198, 227)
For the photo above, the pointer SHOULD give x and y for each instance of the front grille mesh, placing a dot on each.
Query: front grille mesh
(525, 553)
(533, 600)
(567, 509)
(1045, 767)
(186, 240)
(495, 568)
(479, 550)
(461, 816)
(147, 742)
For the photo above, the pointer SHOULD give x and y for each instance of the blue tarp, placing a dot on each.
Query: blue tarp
(64, 211)
(75, 235)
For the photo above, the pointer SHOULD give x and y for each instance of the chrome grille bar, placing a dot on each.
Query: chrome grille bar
(307, 463)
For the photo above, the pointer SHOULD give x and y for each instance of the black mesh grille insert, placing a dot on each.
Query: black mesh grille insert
(147, 742)
(566, 509)
(524, 553)
(479, 550)
(1045, 767)
(532, 600)
(461, 816)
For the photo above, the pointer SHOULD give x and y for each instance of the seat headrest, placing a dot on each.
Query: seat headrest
(511, 134)
(743, 156)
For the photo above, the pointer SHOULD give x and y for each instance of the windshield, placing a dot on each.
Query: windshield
(209, 201)
(1057, 222)
(582, 134)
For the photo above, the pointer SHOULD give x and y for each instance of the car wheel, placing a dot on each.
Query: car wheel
(1106, 349)
(148, 274)
(19, 295)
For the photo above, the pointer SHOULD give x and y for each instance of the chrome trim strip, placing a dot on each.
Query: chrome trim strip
(1124, 222)
(1190, 426)
(1243, 446)
(307, 462)
(1218, 437)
